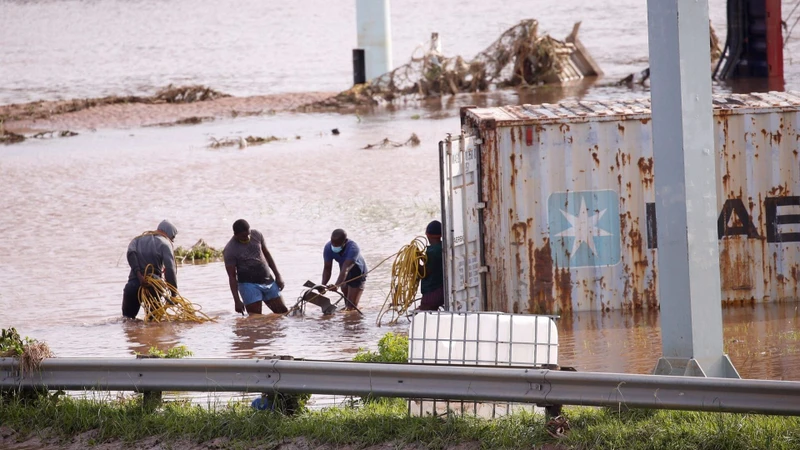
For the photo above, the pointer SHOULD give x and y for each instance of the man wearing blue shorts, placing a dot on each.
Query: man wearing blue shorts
(248, 263)
(352, 267)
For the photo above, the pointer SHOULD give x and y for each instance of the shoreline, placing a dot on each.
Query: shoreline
(118, 112)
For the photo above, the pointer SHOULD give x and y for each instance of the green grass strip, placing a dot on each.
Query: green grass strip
(386, 421)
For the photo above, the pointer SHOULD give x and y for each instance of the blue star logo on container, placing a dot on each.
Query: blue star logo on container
(584, 228)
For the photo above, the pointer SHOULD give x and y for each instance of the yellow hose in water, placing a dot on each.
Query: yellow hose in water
(407, 271)
(163, 303)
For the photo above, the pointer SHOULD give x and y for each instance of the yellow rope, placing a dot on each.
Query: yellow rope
(163, 303)
(407, 271)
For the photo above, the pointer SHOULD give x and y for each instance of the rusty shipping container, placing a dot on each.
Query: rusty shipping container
(551, 208)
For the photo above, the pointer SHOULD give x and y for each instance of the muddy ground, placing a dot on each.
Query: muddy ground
(89, 114)
(11, 440)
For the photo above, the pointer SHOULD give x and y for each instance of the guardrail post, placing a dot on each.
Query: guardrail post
(686, 196)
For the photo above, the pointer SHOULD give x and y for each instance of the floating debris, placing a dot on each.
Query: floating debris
(186, 94)
(243, 142)
(170, 94)
(412, 141)
(236, 113)
(200, 251)
(520, 57)
(8, 137)
(52, 134)
(193, 120)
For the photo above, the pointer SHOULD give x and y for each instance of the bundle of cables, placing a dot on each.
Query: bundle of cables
(163, 303)
(407, 271)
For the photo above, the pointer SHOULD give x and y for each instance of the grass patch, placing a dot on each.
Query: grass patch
(392, 348)
(387, 422)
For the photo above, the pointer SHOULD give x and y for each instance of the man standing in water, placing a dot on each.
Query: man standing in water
(432, 285)
(352, 267)
(248, 263)
(151, 248)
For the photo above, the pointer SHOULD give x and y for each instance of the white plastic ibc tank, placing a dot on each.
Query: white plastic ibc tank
(483, 338)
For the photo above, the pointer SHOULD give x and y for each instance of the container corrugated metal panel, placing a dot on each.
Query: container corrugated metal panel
(567, 212)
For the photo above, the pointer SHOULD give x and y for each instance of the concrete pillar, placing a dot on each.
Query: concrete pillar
(373, 20)
(685, 183)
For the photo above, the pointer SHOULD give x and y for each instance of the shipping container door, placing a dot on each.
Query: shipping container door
(461, 212)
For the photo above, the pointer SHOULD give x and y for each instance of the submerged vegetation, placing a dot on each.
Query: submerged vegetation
(199, 252)
(179, 351)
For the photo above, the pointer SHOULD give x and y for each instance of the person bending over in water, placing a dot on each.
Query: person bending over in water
(151, 248)
(352, 267)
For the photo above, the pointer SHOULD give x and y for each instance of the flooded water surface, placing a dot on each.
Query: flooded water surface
(70, 206)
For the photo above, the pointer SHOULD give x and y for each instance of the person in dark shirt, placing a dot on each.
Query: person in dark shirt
(152, 248)
(352, 267)
(248, 263)
(432, 285)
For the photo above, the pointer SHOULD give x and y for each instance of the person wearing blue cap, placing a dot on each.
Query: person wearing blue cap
(432, 285)
(152, 248)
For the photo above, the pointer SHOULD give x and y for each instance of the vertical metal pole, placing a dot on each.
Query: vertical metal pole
(686, 200)
(373, 22)
(359, 69)
(774, 44)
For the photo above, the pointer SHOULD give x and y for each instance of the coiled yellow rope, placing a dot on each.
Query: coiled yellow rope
(407, 271)
(163, 303)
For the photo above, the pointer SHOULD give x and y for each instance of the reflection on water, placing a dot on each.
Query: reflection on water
(141, 336)
(255, 334)
(763, 341)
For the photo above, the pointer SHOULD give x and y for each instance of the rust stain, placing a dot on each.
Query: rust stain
(564, 289)
(542, 287)
(513, 159)
(596, 159)
(645, 121)
(564, 128)
(735, 264)
(651, 293)
(513, 138)
(636, 301)
(621, 128)
(646, 170)
(779, 191)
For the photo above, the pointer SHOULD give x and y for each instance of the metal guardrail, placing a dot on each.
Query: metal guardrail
(537, 386)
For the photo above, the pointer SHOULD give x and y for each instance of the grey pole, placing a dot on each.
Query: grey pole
(686, 198)
(374, 26)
